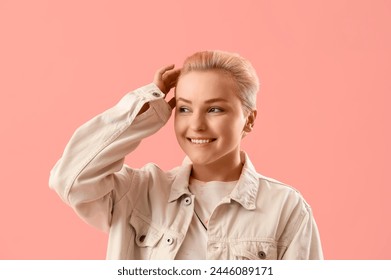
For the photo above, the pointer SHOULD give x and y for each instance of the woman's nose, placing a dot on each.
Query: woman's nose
(198, 122)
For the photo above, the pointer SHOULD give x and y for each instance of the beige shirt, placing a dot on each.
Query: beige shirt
(207, 195)
(147, 211)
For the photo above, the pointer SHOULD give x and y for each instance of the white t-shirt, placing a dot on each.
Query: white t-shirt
(207, 196)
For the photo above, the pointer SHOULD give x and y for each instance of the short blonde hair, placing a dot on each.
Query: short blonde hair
(240, 70)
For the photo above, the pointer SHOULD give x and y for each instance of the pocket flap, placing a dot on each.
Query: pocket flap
(255, 250)
(147, 235)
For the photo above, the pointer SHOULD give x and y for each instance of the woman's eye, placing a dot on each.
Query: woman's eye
(183, 110)
(215, 110)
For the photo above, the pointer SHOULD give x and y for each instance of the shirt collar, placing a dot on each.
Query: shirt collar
(245, 191)
(180, 186)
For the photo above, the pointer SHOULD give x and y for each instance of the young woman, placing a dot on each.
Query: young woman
(215, 205)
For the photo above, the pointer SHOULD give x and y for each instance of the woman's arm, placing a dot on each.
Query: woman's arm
(305, 244)
(165, 78)
(90, 176)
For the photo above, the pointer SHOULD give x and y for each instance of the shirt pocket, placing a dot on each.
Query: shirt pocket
(146, 237)
(254, 250)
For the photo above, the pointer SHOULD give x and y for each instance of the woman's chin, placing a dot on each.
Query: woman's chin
(199, 159)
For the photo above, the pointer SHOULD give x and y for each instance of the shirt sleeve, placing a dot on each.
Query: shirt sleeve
(305, 244)
(91, 176)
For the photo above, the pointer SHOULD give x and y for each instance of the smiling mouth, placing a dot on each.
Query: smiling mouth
(201, 140)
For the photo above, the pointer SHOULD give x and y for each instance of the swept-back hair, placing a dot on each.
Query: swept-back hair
(238, 68)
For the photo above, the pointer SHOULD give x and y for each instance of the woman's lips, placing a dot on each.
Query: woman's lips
(201, 140)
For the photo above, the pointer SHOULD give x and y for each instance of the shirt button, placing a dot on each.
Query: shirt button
(187, 200)
(169, 240)
(262, 255)
(156, 94)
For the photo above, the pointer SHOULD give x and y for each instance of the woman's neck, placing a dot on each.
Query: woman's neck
(229, 171)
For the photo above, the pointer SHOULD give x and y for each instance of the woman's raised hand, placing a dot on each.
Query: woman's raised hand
(166, 78)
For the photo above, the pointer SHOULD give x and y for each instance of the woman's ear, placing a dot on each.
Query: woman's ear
(250, 121)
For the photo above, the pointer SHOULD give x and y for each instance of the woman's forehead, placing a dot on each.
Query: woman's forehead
(205, 84)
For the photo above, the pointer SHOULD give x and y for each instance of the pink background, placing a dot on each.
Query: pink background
(323, 124)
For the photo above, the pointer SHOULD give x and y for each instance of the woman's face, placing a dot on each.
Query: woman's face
(209, 118)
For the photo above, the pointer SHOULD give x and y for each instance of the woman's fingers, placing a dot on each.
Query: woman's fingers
(161, 71)
(171, 76)
(158, 77)
(165, 78)
(165, 68)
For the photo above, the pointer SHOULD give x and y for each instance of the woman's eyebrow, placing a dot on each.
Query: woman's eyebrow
(216, 100)
(183, 100)
(206, 101)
